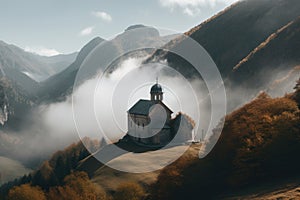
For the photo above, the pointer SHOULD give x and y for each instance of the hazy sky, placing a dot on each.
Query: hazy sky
(63, 26)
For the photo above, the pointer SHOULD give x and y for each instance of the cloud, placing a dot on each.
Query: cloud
(127, 66)
(191, 12)
(87, 31)
(193, 7)
(42, 51)
(102, 15)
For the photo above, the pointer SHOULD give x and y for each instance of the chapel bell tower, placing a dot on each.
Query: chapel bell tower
(156, 92)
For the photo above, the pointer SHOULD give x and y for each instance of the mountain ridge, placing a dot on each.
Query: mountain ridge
(228, 45)
(279, 52)
(60, 85)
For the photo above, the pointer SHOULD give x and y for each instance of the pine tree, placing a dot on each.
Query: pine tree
(296, 95)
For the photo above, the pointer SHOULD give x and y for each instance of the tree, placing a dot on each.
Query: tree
(45, 177)
(297, 87)
(129, 191)
(77, 187)
(26, 192)
(297, 92)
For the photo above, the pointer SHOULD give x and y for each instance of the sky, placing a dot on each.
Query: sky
(50, 27)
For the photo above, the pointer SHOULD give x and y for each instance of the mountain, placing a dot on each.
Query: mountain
(59, 85)
(20, 72)
(3, 106)
(134, 37)
(279, 53)
(233, 33)
(15, 104)
(247, 40)
(59, 62)
(273, 66)
(35, 66)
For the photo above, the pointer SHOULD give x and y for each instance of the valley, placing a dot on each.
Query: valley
(56, 141)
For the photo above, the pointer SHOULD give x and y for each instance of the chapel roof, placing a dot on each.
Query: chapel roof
(142, 107)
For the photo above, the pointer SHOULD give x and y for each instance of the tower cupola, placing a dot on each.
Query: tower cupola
(156, 92)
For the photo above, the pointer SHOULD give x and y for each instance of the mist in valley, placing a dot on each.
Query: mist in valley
(100, 110)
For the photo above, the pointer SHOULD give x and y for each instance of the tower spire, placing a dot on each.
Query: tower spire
(157, 80)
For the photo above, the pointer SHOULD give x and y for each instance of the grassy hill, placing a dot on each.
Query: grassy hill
(110, 178)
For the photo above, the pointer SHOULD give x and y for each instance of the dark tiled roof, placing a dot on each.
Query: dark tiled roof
(142, 107)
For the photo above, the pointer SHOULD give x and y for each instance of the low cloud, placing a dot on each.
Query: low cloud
(100, 108)
(42, 51)
(193, 7)
(102, 15)
(101, 104)
(87, 31)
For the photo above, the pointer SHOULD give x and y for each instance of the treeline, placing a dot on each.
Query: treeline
(259, 144)
(62, 163)
(76, 186)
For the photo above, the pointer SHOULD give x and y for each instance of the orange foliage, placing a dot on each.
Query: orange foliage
(129, 191)
(77, 187)
(26, 192)
(259, 142)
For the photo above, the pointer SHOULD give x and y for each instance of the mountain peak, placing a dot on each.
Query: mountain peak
(136, 26)
(88, 48)
(141, 31)
(96, 40)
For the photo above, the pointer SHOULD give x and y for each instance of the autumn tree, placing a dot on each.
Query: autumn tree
(129, 191)
(26, 192)
(45, 176)
(77, 187)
